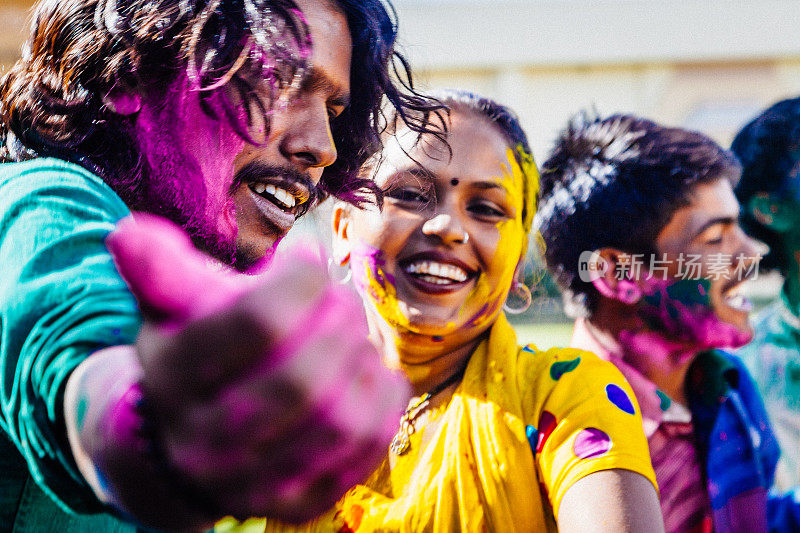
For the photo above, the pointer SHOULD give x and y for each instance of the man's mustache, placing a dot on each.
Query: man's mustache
(257, 171)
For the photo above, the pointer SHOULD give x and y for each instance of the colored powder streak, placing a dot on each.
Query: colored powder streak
(511, 244)
(665, 400)
(102, 481)
(547, 424)
(485, 314)
(80, 414)
(591, 442)
(682, 309)
(189, 184)
(530, 186)
(372, 282)
(533, 437)
(690, 291)
(560, 368)
(619, 398)
(123, 420)
(668, 297)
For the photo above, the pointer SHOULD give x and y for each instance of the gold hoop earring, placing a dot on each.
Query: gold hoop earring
(524, 294)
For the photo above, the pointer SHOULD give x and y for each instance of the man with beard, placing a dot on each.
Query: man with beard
(642, 234)
(242, 395)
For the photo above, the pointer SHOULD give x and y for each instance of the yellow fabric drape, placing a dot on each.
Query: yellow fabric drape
(520, 429)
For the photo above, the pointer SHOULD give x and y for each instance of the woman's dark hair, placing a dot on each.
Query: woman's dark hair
(378, 70)
(616, 182)
(501, 116)
(80, 50)
(769, 149)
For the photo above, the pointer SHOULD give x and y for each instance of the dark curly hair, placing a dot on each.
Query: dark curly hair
(616, 182)
(79, 50)
(769, 149)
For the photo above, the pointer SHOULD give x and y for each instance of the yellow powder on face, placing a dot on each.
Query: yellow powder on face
(520, 183)
(371, 280)
(510, 245)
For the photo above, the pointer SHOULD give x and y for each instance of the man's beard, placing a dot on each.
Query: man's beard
(247, 258)
(141, 192)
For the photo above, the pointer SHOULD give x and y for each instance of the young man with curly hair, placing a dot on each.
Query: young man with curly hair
(641, 227)
(229, 118)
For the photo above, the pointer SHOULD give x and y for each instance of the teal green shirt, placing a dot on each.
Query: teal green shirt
(61, 299)
(773, 358)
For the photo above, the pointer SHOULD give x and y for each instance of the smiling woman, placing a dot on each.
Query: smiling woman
(440, 258)
(496, 437)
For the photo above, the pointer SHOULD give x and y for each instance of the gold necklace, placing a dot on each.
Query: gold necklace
(402, 439)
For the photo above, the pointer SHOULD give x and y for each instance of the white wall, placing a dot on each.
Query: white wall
(700, 64)
(494, 33)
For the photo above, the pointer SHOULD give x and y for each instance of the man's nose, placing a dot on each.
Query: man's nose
(308, 142)
(446, 227)
(751, 250)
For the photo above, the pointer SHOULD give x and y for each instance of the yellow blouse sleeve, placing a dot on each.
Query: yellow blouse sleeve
(585, 419)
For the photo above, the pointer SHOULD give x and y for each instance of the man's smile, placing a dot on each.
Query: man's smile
(277, 195)
(289, 196)
(732, 297)
(269, 199)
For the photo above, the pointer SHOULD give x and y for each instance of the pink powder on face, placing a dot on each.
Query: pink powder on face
(373, 261)
(484, 314)
(189, 157)
(678, 330)
(688, 315)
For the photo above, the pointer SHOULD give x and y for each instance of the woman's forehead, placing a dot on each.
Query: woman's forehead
(477, 152)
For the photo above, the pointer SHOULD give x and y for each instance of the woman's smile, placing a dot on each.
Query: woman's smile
(440, 256)
(434, 272)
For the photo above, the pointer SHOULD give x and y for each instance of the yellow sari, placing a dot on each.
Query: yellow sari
(521, 428)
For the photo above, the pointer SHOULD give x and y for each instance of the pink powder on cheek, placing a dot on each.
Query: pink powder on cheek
(190, 156)
(368, 262)
(486, 312)
(679, 326)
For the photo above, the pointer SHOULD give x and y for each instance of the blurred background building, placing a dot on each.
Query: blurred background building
(704, 65)
(14, 23)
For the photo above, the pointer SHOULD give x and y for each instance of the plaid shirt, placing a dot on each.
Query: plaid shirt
(670, 436)
(714, 461)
